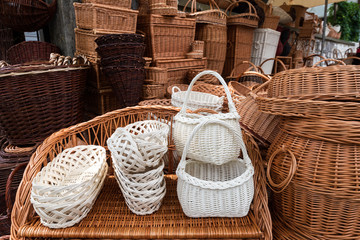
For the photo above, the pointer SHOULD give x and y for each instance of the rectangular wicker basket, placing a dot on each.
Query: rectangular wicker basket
(100, 101)
(167, 37)
(115, 3)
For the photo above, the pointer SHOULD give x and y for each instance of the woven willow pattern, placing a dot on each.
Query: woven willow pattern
(214, 143)
(208, 190)
(65, 190)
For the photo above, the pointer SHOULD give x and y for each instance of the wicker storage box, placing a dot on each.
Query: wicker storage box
(105, 18)
(114, 3)
(167, 37)
(157, 75)
(64, 191)
(151, 91)
(101, 101)
(264, 46)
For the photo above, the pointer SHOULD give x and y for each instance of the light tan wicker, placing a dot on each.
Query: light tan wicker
(154, 91)
(115, 3)
(212, 16)
(110, 217)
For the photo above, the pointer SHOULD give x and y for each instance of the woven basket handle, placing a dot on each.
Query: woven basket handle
(175, 88)
(222, 81)
(289, 177)
(196, 181)
(239, 88)
(204, 110)
(241, 63)
(212, 3)
(351, 58)
(3, 64)
(275, 59)
(329, 59)
(8, 200)
(252, 9)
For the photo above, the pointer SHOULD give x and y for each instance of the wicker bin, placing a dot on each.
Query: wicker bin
(40, 99)
(105, 18)
(167, 37)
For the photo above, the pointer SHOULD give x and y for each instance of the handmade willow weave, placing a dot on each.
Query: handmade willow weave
(139, 145)
(64, 191)
(213, 143)
(208, 190)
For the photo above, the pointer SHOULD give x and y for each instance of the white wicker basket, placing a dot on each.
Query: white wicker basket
(214, 143)
(143, 192)
(139, 145)
(208, 190)
(64, 191)
(196, 100)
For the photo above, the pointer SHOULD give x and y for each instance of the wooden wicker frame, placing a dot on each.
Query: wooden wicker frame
(168, 222)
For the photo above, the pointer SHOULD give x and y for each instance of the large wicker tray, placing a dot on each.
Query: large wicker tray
(110, 218)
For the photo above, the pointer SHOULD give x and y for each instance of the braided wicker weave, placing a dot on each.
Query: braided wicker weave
(110, 217)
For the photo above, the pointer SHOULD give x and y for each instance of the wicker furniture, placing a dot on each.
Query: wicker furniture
(110, 217)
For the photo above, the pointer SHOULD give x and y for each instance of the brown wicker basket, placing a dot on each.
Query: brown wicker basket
(101, 101)
(154, 91)
(271, 21)
(30, 51)
(6, 41)
(212, 16)
(277, 60)
(114, 3)
(40, 99)
(85, 41)
(240, 36)
(236, 73)
(167, 37)
(157, 75)
(105, 17)
(26, 15)
(316, 185)
(169, 222)
(121, 50)
(208, 78)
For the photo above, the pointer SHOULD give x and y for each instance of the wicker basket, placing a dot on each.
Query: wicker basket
(26, 15)
(157, 75)
(212, 16)
(34, 103)
(114, 3)
(271, 21)
(118, 50)
(104, 17)
(206, 78)
(30, 51)
(101, 101)
(154, 91)
(307, 184)
(120, 38)
(168, 37)
(64, 191)
(236, 74)
(207, 190)
(213, 144)
(197, 100)
(156, 102)
(240, 37)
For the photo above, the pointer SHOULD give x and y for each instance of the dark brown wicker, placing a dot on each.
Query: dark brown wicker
(26, 15)
(6, 41)
(127, 83)
(116, 49)
(116, 38)
(30, 51)
(123, 60)
(37, 100)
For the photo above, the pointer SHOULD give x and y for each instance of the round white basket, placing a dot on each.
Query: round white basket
(139, 146)
(143, 192)
(64, 191)
(208, 190)
(214, 143)
(196, 100)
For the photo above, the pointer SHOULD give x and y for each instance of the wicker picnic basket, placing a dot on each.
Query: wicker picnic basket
(34, 103)
(64, 191)
(257, 224)
(115, 3)
(101, 17)
(240, 36)
(139, 146)
(212, 16)
(236, 74)
(207, 190)
(307, 184)
(212, 144)
(163, 7)
(262, 126)
(26, 15)
(30, 51)
(197, 100)
(167, 37)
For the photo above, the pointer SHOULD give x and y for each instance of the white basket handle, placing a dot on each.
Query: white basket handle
(175, 88)
(222, 81)
(234, 182)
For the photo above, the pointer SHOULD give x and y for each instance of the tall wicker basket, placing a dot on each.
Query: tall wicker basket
(240, 37)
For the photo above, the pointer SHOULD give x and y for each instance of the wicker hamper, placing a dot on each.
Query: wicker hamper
(167, 37)
(110, 210)
(240, 37)
(40, 99)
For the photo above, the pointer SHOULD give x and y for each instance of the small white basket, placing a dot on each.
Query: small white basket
(197, 100)
(214, 143)
(64, 191)
(139, 146)
(208, 190)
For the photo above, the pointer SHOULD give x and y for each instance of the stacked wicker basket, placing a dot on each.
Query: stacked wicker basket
(96, 18)
(170, 44)
(313, 162)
